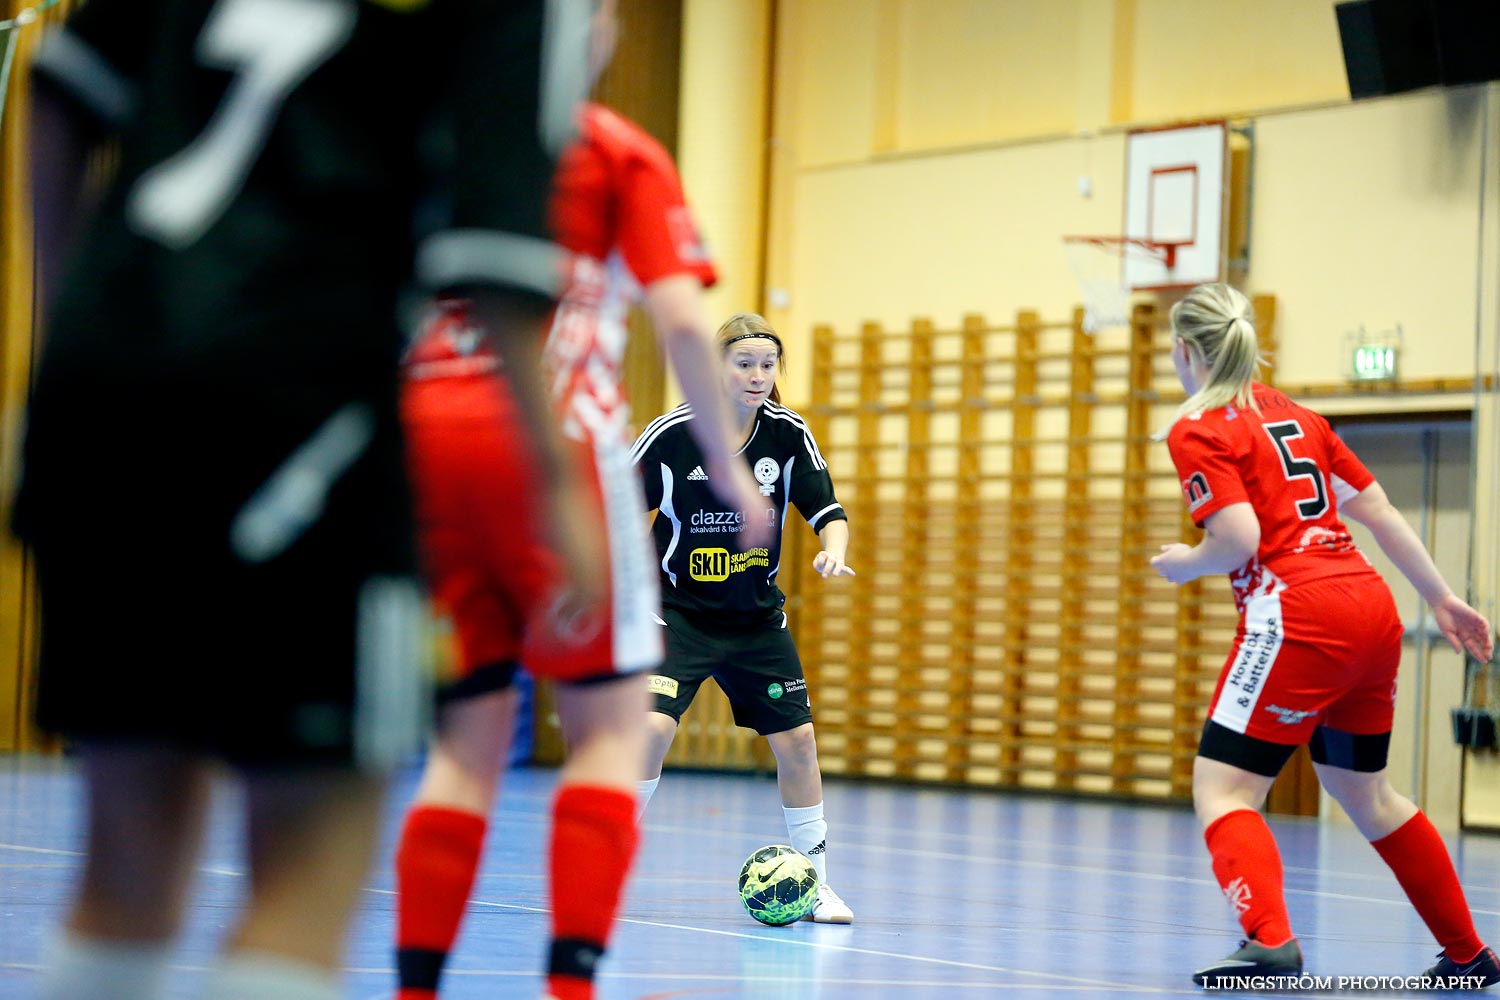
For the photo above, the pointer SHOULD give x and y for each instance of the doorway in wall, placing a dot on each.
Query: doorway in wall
(1424, 464)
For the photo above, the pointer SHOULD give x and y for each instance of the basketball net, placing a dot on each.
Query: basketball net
(1097, 263)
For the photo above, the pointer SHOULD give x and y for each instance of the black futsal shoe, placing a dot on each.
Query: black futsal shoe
(1468, 975)
(1253, 960)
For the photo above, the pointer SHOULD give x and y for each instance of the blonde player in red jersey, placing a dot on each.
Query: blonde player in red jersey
(618, 207)
(1315, 657)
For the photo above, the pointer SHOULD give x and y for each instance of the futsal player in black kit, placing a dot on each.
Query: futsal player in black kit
(721, 607)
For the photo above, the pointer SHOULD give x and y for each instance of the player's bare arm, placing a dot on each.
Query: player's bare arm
(834, 539)
(517, 324)
(1464, 628)
(1231, 536)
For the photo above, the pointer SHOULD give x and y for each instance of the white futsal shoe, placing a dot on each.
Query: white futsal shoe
(830, 909)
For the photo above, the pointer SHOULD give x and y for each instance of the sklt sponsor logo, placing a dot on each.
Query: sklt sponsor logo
(775, 690)
(719, 564)
(709, 564)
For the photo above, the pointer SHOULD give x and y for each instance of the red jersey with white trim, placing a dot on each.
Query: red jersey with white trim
(618, 206)
(1293, 470)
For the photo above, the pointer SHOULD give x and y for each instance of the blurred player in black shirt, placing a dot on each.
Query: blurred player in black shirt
(213, 472)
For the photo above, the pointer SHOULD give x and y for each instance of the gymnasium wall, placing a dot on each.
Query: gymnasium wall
(1362, 214)
(726, 55)
(929, 161)
(923, 159)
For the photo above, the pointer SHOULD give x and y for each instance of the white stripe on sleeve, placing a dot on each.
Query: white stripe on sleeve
(776, 412)
(833, 506)
(1342, 491)
(655, 429)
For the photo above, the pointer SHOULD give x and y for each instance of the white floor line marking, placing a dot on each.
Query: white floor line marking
(1194, 859)
(945, 856)
(41, 850)
(826, 946)
(1147, 876)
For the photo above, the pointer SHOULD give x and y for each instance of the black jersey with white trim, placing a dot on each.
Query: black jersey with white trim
(703, 572)
(287, 166)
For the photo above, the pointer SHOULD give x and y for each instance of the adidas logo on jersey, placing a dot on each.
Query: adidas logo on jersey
(698, 475)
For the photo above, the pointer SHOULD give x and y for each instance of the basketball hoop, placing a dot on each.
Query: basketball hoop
(1096, 265)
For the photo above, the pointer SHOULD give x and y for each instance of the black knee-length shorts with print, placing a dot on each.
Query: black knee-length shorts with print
(756, 666)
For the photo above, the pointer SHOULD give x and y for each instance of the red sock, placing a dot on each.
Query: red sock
(435, 866)
(593, 842)
(1248, 867)
(1418, 856)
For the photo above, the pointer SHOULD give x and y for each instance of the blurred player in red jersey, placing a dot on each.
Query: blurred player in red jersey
(619, 208)
(214, 483)
(1315, 657)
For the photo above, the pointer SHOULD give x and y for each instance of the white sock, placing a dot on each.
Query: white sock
(809, 834)
(260, 975)
(88, 967)
(643, 792)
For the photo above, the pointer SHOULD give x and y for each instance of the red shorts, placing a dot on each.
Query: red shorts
(1322, 653)
(478, 522)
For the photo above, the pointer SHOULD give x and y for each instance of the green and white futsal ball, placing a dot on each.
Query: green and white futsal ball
(778, 885)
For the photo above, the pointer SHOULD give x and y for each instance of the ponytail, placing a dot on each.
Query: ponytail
(1219, 322)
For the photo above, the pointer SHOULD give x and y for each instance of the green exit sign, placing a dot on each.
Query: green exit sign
(1374, 362)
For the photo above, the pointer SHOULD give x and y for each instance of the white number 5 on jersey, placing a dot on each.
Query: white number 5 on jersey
(271, 46)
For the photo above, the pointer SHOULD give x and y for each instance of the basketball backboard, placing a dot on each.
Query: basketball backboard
(1175, 185)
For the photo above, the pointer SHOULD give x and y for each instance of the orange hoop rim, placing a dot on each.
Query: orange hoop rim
(1163, 250)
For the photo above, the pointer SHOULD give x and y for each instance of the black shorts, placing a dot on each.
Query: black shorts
(158, 629)
(756, 667)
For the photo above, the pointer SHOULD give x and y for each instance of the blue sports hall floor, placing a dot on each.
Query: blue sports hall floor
(956, 894)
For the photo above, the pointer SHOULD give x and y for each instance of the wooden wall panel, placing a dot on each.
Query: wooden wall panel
(1006, 629)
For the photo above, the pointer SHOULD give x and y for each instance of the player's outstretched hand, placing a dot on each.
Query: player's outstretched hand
(1175, 563)
(1464, 628)
(732, 484)
(826, 565)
